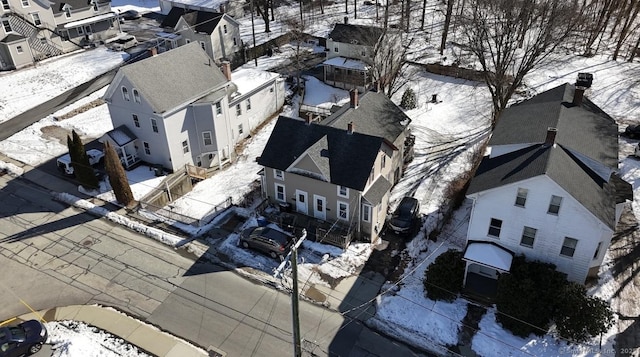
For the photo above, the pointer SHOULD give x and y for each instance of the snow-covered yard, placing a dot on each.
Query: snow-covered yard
(456, 125)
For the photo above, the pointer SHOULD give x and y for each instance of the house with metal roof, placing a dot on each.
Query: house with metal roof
(341, 169)
(548, 188)
(33, 30)
(351, 51)
(179, 108)
(235, 9)
(217, 33)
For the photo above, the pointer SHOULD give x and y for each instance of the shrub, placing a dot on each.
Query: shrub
(444, 277)
(579, 316)
(408, 99)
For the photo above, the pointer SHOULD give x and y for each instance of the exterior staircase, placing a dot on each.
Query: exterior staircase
(40, 49)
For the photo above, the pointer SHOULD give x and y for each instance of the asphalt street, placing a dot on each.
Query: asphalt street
(53, 255)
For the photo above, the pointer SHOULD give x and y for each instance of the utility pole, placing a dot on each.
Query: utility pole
(253, 32)
(297, 343)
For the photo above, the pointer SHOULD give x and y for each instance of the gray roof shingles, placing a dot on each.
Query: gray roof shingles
(177, 77)
(360, 34)
(204, 21)
(584, 129)
(350, 156)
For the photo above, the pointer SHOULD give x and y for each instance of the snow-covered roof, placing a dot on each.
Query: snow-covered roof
(344, 62)
(487, 253)
(208, 4)
(171, 36)
(247, 79)
(89, 20)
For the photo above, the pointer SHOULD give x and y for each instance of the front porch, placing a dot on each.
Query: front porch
(485, 262)
(480, 288)
(123, 142)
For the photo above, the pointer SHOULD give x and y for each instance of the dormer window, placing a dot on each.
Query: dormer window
(136, 96)
(25, 3)
(67, 12)
(125, 94)
(36, 19)
(94, 4)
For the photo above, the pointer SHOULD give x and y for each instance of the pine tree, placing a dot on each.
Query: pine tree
(117, 176)
(408, 99)
(82, 170)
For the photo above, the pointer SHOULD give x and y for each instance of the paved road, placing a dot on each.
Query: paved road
(60, 256)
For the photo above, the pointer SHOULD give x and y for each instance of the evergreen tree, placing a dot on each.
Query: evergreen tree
(444, 277)
(117, 176)
(82, 170)
(579, 316)
(408, 99)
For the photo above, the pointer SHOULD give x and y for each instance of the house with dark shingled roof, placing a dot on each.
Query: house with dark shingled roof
(548, 188)
(339, 170)
(217, 33)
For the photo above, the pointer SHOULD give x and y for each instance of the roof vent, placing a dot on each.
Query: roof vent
(584, 80)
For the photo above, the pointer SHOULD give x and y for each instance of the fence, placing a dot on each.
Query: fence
(339, 238)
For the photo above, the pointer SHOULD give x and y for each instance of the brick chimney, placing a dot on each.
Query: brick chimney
(353, 95)
(350, 127)
(551, 136)
(226, 69)
(578, 94)
(153, 51)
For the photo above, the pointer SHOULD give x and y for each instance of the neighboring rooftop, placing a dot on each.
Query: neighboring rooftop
(344, 62)
(247, 79)
(356, 34)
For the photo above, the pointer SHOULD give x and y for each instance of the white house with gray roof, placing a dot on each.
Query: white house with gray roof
(548, 188)
(180, 109)
(339, 170)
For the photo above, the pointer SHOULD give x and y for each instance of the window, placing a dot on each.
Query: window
(154, 125)
(25, 3)
(528, 236)
(80, 30)
(597, 252)
(235, 41)
(383, 161)
(67, 14)
(554, 205)
(136, 121)
(363, 53)
(136, 96)
(568, 247)
(278, 174)
(366, 213)
(521, 197)
(147, 150)
(249, 104)
(6, 25)
(224, 28)
(343, 211)
(280, 193)
(271, 90)
(335, 49)
(36, 19)
(206, 137)
(125, 94)
(343, 191)
(95, 6)
(240, 130)
(5, 5)
(371, 174)
(238, 109)
(203, 45)
(43, 40)
(218, 108)
(19, 49)
(185, 147)
(319, 205)
(494, 227)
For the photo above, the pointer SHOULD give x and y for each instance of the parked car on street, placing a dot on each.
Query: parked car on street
(632, 131)
(405, 217)
(266, 240)
(130, 15)
(24, 339)
(122, 43)
(64, 162)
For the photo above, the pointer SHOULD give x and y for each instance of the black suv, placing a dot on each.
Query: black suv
(25, 339)
(267, 240)
(405, 218)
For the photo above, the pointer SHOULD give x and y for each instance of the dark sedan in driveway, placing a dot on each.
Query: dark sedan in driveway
(24, 339)
(267, 240)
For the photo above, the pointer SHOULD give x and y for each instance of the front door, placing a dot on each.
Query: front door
(319, 207)
(301, 202)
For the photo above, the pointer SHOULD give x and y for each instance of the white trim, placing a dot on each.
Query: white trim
(320, 214)
(284, 192)
(369, 209)
(276, 176)
(338, 191)
(304, 206)
(346, 218)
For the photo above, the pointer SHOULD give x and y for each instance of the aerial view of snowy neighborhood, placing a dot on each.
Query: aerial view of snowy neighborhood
(183, 178)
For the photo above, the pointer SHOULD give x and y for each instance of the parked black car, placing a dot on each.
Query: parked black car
(130, 15)
(405, 217)
(632, 131)
(266, 240)
(24, 339)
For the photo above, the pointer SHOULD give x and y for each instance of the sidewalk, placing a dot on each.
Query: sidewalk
(144, 336)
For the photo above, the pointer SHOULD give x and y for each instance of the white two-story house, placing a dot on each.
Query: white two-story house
(548, 188)
(218, 34)
(341, 169)
(178, 108)
(34, 29)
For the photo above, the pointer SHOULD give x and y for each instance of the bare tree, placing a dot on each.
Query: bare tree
(389, 59)
(447, 22)
(262, 8)
(509, 38)
(297, 36)
(627, 17)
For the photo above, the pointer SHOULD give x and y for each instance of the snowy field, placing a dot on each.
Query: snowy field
(462, 116)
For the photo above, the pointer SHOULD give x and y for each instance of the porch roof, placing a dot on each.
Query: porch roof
(349, 63)
(121, 135)
(89, 20)
(489, 254)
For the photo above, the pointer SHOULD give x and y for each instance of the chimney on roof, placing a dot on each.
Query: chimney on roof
(551, 136)
(226, 70)
(578, 94)
(153, 51)
(350, 128)
(353, 95)
(346, 20)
